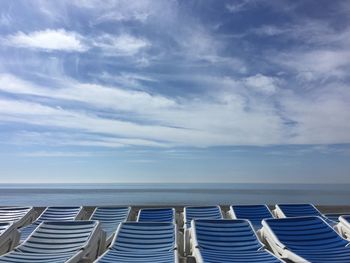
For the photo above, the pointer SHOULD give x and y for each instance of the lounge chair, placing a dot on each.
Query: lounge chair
(227, 241)
(344, 226)
(110, 217)
(58, 242)
(254, 213)
(144, 242)
(53, 214)
(19, 216)
(157, 215)
(9, 237)
(201, 212)
(297, 210)
(197, 212)
(305, 239)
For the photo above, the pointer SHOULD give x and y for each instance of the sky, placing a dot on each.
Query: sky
(188, 91)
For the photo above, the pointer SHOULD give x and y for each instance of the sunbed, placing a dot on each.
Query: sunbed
(19, 216)
(142, 242)
(344, 226)
(156, 215)
(305, 239)
(58, 242)
(254, 213)
(297, 210)
(197, 212)
(53, 214)
(110, 217)
(9, 237)
(227, 241)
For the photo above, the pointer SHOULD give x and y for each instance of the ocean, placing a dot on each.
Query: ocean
(171, 194)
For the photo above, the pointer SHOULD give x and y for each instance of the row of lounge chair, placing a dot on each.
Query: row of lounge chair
(302, 235)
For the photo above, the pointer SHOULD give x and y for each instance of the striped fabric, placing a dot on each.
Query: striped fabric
(156, 215)
(53, 242)
(201, 212)
(142, 242)
(52, 214)
(310, 238)
(254, 213)
(228, 241)
(110, 218)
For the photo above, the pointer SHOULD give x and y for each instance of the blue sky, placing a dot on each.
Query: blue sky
(175, 91)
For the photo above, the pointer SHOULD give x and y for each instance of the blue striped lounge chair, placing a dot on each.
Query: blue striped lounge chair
(344, 226)
(305, 239)
(197, 212)
(110, 217)
(227, 241)
(254, 213)
(297, 210)
(59, 242)
(19, 216)
(142, 242)
(53, 214)
(157, 215)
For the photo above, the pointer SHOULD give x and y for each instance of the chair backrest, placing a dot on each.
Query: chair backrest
(13, 214)
(225, 235)
(156, 215)
(306, 233)
(54, 237)
(110, 217)
(296, 210)
(201, 212)
(59, 213)
(254, 213)
(145, 236)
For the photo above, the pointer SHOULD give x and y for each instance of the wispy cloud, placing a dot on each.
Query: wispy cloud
(48, 40)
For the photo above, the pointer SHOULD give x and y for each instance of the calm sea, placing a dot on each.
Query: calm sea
(171, 194)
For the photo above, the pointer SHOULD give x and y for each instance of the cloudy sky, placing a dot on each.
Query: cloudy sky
(175, 91)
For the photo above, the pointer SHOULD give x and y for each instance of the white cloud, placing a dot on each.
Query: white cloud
(48, 40)
(238, 6)
(263, 84)
(121, 45)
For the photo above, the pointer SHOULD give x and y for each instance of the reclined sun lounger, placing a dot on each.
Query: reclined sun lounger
(157, 215)
(297, 210)
(254, 213)
(227, 241)
(142, 242)
(58, 242)
(305, 239)
(53, 214)
(198, 212)
(344, 226)
(110, 217)
(9, 237)
(201, 212)
(19, 216)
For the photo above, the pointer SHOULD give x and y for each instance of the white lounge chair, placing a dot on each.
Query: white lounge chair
(59, 242)
(142, 242)
(110, 217)
(305, 240)
(58, 213)
(19, 216)
(227, 241)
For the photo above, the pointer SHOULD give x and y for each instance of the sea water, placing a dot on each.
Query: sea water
(171, 194)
